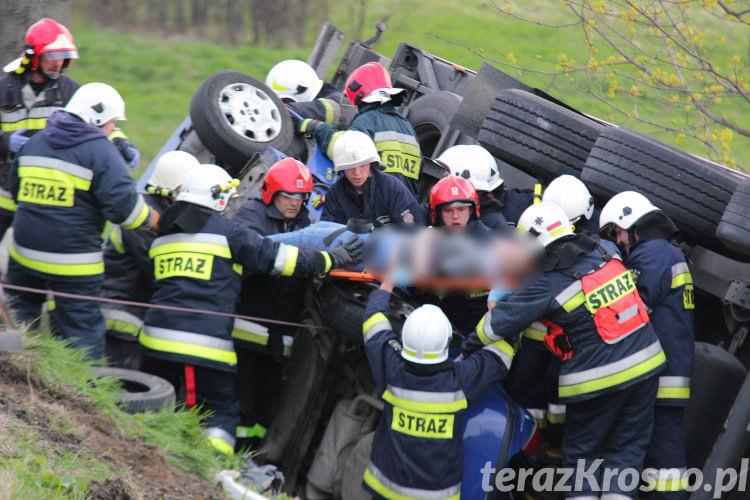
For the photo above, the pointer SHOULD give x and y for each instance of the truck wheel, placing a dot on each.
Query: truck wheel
(431, 115)
(717, 377)
(693, 191)
(236, 115)
(733, 228)
(142, 391)
(538, 136)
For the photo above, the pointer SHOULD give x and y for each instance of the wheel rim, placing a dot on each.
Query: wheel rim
(250, 112)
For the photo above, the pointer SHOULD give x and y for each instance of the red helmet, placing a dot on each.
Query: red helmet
(49, 37)
(365, 79)
(451, 189)
(287, 176)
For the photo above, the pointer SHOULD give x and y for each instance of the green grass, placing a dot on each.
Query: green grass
(157, 76)
(34, 467)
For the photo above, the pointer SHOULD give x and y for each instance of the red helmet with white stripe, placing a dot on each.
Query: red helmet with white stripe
(47, 36)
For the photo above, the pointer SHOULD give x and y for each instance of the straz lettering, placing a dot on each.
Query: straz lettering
(404, 164)
(688, 297)
(183, 265)
(610, 292)
(53, 192)
(427, 425)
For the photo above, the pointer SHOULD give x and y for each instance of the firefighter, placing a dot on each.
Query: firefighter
(67, 181)
(417, 450)
(128, 272)
(663, 279)
(572, 195)
(611, 354)
(499, 207)
(370, 90)
(297, 84)
(364, 191)
(261, 350)
(198, 264)
(454, 208)
(34, 88)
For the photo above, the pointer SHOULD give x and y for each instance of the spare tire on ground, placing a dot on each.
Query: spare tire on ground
(142, 391)
(734, 228)
(236, 115)
(693, 191)
(538, 136)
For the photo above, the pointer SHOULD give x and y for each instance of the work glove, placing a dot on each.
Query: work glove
(307, 126)
(129, 152)
(347, 253)
(17, 140)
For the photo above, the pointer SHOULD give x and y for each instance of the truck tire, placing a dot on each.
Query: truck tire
(693, 191)
(538, 136)
(431, 115)
(734, 230)
(717, 377)
(142, 391)
(236, 115)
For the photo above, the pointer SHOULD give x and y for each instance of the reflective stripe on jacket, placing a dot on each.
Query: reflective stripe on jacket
(417, 449)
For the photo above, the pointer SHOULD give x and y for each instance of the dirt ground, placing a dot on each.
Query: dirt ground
(143, 473)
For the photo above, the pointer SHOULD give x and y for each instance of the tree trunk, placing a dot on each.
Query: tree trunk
(18, 15)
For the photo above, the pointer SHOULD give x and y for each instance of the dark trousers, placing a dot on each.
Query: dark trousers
(214, 391)
(666, 453)
(615, 427)
(258, 386)
(79, 321)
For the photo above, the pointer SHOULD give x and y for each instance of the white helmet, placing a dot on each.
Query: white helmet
(474, 163)
(294, 80)
(546, 221)
(426, 335)
(171, 168)
(354, 149)
(208, 186)
(572, 195)
(624, 209)
(97, 104)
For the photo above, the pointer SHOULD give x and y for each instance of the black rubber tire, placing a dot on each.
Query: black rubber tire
(734, 229)
(231, 149)
(717, 377)
(693, 191)
(342, 307)
(538, 136)
(142, 391)
(431, 115)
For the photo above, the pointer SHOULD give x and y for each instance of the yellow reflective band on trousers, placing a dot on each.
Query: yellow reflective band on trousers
(191, 344)
(666, 479)
(673, 388)
(220, 439)
(375, 324)
(425, 401)
(376, 480)
(613, 374)
(424, 425)
(29, 123)
(122, 321)
(61, 264)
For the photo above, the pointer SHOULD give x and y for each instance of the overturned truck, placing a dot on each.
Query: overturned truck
(323, 429)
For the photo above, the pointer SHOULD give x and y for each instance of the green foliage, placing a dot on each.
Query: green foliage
(158, 76)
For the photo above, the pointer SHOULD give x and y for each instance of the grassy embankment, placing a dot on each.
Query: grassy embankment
(157, 76)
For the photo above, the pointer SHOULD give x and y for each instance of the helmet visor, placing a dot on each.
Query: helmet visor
(56, 55)
(295, 196)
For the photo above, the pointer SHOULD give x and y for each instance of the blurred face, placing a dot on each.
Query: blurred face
(108, 127)
(455, 217)
(51, 68)
(357, 176)
(288, 206)
(623, 238)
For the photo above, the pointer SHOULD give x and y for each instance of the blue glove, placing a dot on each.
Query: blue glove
(17, 140)
(129, 152)
(496, 294)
